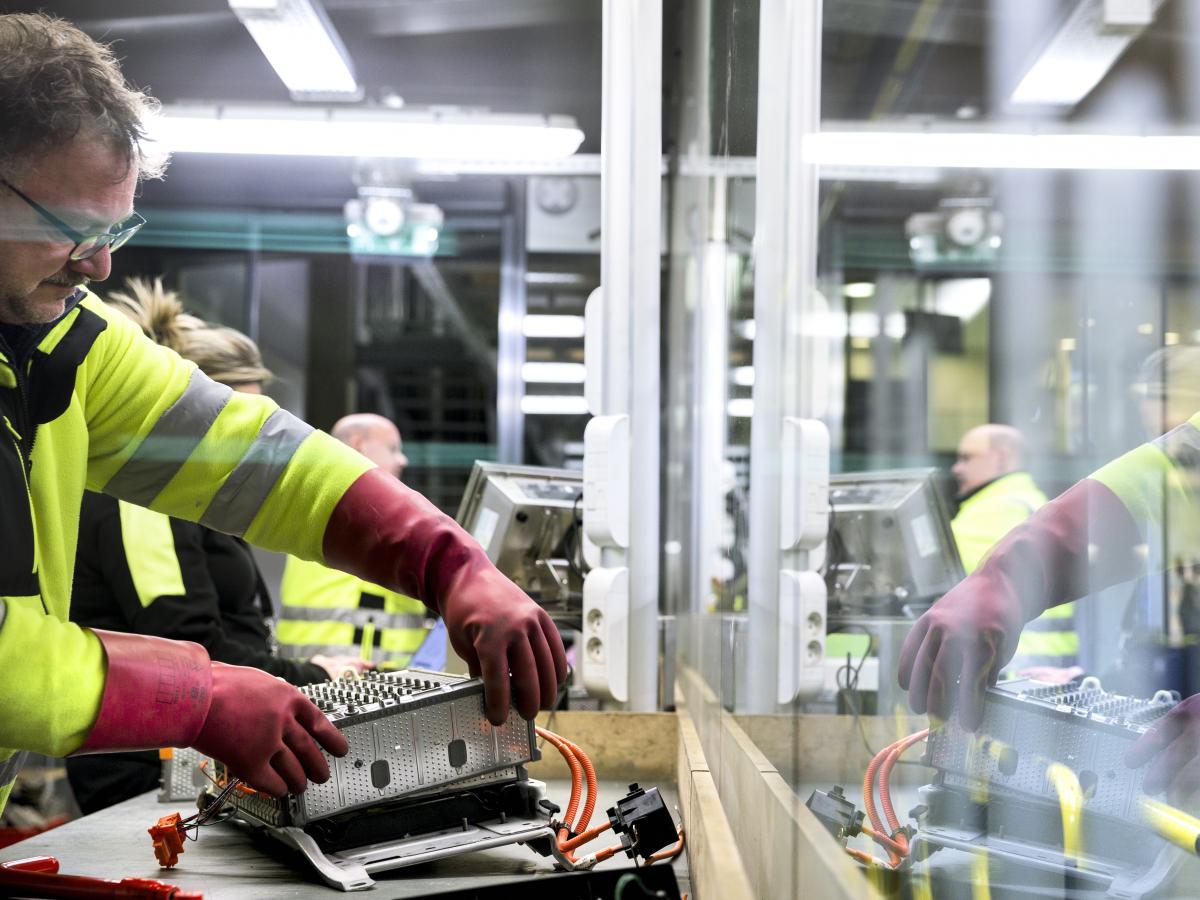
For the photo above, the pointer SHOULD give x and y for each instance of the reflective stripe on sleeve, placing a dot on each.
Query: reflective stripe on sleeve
(11, 767)
(354, 616)
(239, 499)
(170, 442)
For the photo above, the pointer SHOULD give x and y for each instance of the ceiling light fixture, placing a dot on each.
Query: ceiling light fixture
(1082, 51)
(553, 405)
(552, 373)
(552, 326)
(961, 149)
(302, 47)
(393, 134)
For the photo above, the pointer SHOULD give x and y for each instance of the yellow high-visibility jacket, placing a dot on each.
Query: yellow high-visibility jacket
(327, 611)
(983, 519)
(96, 404)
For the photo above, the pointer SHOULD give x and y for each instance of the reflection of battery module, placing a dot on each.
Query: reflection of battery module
(428, 776)
(1041, 792)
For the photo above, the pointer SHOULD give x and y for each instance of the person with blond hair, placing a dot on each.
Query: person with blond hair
(144, 572)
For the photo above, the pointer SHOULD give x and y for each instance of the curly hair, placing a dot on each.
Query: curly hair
(223, 354)
(55, 82)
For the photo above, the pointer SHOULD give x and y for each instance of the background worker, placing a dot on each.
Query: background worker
(325, 611)
(143, 572)
(995, 494)
(87, 400)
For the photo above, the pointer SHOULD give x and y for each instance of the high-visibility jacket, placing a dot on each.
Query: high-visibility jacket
(94, 403)
(983, 519)
(327, 611)
(139, 571)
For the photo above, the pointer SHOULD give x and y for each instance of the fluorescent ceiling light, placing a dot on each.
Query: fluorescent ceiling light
(302, 47)
(743, 376)
(745, 329)
(1081, 53)
(1005, 150)
(552, 326)
(740, 408)
(867, 325)
(552, 405)
(859, 290)
(557, 278)
(405, 134)
(963, 298)
(552, 373)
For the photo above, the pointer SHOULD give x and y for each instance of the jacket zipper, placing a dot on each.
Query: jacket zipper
(26, 432)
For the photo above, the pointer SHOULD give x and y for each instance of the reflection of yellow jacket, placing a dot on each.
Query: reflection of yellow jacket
(991, 512)
(983, 519)
(96, 404)
(327, 611)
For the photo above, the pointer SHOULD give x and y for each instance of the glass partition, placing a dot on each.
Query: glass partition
(1004, 226)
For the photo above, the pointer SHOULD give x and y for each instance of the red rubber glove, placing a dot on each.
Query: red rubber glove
(1174, 745)
(390, 535)
(266, 732)
(1084, 540)
(161, 693)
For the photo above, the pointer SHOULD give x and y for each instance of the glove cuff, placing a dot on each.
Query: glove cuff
(156, 694)
(390, 535)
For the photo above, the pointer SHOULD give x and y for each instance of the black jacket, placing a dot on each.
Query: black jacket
(225, 606)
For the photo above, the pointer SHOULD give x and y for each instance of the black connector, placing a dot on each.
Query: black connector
(841, 817)
(643, 821)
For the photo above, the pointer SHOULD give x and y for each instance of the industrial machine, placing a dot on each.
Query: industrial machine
(427, 777)
(890, 548)
(1040, 797)
(530, 521)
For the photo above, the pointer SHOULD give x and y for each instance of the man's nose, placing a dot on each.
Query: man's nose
(96, 268)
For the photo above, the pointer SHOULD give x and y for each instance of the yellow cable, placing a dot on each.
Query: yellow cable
(1070, 799)
(1171, 824)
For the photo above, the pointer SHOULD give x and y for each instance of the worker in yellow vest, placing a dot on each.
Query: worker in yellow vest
(332, 613)
(995, 494)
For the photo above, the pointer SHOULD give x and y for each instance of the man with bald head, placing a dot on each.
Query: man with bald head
(994, 491)
(374, 437)
(326, 608)
(995, 494)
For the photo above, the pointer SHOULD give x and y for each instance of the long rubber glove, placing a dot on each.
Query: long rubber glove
(162, 693)
(1084, 540)
(1174, 745)
(390, 535)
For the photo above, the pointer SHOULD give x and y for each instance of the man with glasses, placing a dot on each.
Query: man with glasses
(87, 401)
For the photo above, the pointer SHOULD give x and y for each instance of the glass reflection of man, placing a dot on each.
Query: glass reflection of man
(995, 494)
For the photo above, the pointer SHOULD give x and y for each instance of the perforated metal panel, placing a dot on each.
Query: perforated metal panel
(1033, 724)
(182, 777)
(409, 732)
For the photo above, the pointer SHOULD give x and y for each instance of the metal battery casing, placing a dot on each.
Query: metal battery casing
(409, 732)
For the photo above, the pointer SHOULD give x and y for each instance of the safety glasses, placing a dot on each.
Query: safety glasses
(86, 245)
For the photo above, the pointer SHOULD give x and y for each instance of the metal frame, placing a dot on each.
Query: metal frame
(630, 265)
(787, 375)
(510, 420)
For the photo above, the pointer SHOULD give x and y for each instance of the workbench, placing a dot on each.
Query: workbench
(230, 861)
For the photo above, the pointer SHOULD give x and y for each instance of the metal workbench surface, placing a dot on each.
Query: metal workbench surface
(230, 863)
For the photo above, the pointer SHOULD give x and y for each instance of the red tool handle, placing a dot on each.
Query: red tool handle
(38, 877)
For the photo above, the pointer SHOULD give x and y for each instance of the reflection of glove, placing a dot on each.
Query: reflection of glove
(392, 536)
(966, 637)
(1174, 745)
(161, 693)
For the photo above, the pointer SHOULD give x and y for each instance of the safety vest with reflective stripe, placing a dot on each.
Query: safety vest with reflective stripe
(327, 611)
(1158, 484)
(982, 520)
(96, 404)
